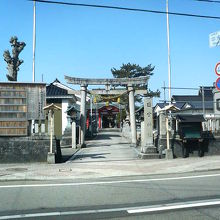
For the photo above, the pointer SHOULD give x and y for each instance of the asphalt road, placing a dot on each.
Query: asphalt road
(185, 196)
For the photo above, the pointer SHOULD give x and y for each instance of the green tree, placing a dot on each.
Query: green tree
(131, 71)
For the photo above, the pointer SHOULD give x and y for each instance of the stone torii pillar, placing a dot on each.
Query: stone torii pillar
(132, 116)
(128, 82)
(83, 115)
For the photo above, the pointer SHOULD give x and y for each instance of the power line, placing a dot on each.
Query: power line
(127, 9)
(186, 88)
(181, 88)
(209, 1)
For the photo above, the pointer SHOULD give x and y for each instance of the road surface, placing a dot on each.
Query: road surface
(176, 196)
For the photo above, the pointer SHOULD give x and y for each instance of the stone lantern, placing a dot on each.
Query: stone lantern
(72, 114)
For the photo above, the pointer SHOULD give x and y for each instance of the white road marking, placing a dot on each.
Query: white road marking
(174, 206)
(32, 215)
(111, 182)
(130, 210)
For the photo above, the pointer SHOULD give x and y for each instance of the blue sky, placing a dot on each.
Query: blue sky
(88, 42)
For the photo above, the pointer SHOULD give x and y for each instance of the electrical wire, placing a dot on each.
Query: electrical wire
(127, 9)
(209, 1)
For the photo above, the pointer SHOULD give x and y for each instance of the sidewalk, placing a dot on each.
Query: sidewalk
(108, 155)
(87, 170)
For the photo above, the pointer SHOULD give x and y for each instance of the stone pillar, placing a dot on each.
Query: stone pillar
(162, 125)
(148, 150)
(169, 151)
(148, 146)
(83, 115)
(142, 134)
(132, 116)
(73, 134)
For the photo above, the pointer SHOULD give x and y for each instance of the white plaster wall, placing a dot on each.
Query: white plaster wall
(64, 114)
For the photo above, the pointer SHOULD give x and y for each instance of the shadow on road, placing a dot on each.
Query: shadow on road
(92, 156)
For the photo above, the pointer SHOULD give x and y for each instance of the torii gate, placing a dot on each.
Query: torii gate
(128, 82)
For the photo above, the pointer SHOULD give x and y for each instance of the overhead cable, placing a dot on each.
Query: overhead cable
(127, 9)
(210, 1)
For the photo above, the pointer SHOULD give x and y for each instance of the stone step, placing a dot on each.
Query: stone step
(150, 150)
(149, 156)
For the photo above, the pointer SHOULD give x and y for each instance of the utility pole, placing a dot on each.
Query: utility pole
(34, 40)
(169, 153)
(164, 92)
(168, 46)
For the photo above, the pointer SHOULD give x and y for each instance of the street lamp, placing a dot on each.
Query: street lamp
(72, 113)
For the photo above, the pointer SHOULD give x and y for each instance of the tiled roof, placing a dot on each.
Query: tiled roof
(162, 104)
(190, 118)
(186, 98)
(196, 101)
(53, 90)
(199, 105)
(179, 105)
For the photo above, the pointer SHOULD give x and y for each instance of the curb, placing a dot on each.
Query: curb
(45, 178)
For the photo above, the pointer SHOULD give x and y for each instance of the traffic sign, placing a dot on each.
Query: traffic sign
(214, 39)
(217, 84)
(217, 69)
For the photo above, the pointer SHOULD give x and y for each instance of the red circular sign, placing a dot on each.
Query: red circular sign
(217, 69)
(217, 84)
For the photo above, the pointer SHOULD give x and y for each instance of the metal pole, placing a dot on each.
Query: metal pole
(168, 46)
(203, 101)
(164, 92)
(168, 134)
(34, 40)
(91, 115)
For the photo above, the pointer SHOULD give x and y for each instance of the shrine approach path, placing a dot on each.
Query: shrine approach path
(108, 145)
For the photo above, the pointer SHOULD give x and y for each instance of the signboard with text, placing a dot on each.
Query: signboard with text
(214, 39)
